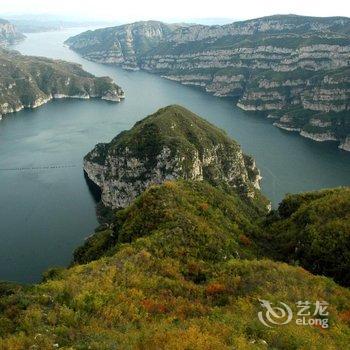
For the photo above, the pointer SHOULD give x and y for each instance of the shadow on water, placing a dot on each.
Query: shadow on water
(104, 215)
(94, 190)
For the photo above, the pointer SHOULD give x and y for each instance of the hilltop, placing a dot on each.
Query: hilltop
(310, 229)
(172, 143)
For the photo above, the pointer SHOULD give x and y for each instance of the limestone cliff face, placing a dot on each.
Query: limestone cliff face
(171, 144)
(121, 45)
(29, 82)
(284, 65)
(9, 34)
(278, 24)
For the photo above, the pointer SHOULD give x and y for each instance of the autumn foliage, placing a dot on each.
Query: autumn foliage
(169, 276)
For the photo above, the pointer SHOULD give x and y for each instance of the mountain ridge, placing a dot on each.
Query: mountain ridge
(172, 143)
(294, 69)
(29, 82)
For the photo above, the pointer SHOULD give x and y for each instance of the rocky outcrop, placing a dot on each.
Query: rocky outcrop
(345, 144)
(29, 82)
(171, 144)
(320, 137)
(9, 34)
(292, 64)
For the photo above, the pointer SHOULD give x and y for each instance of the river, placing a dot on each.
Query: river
(46, 209)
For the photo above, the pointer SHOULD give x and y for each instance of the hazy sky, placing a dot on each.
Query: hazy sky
(127, 10)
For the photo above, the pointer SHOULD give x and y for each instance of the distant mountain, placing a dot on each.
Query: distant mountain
(125, 44)
(294, 69)
(28, 82)
(37, 26)
(9, 34)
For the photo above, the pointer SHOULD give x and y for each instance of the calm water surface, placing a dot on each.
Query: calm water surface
(46, 209)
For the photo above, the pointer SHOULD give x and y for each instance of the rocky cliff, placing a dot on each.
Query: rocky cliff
(9, 34)
(293, 68)
(28, 82)
(173, 143)
(123, 45)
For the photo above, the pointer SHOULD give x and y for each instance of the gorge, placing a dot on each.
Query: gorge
(188, 249)
(177, 218)
(35, 144)
(294, 69)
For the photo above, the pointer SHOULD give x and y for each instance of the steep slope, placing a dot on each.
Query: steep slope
(296, 69)
(123, 44)
(313, 230)
(228, 222)
(172, 143)
(179, 286)
(9, 34)
(28, 82)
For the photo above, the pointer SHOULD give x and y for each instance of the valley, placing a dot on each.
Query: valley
(177, 218)
(61, 213)
(294, 69)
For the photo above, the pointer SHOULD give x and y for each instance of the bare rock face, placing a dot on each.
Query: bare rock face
(9, 34)
(171, 144)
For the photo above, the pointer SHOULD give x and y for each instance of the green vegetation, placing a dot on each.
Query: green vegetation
(173, 281)
(172, 143)
(27, 81)
(175, 127)
(185, 265)
(197, 217)
(313, 230)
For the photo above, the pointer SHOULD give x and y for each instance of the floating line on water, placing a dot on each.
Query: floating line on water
(45, 167)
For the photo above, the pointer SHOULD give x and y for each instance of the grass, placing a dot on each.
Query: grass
(172, 282)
